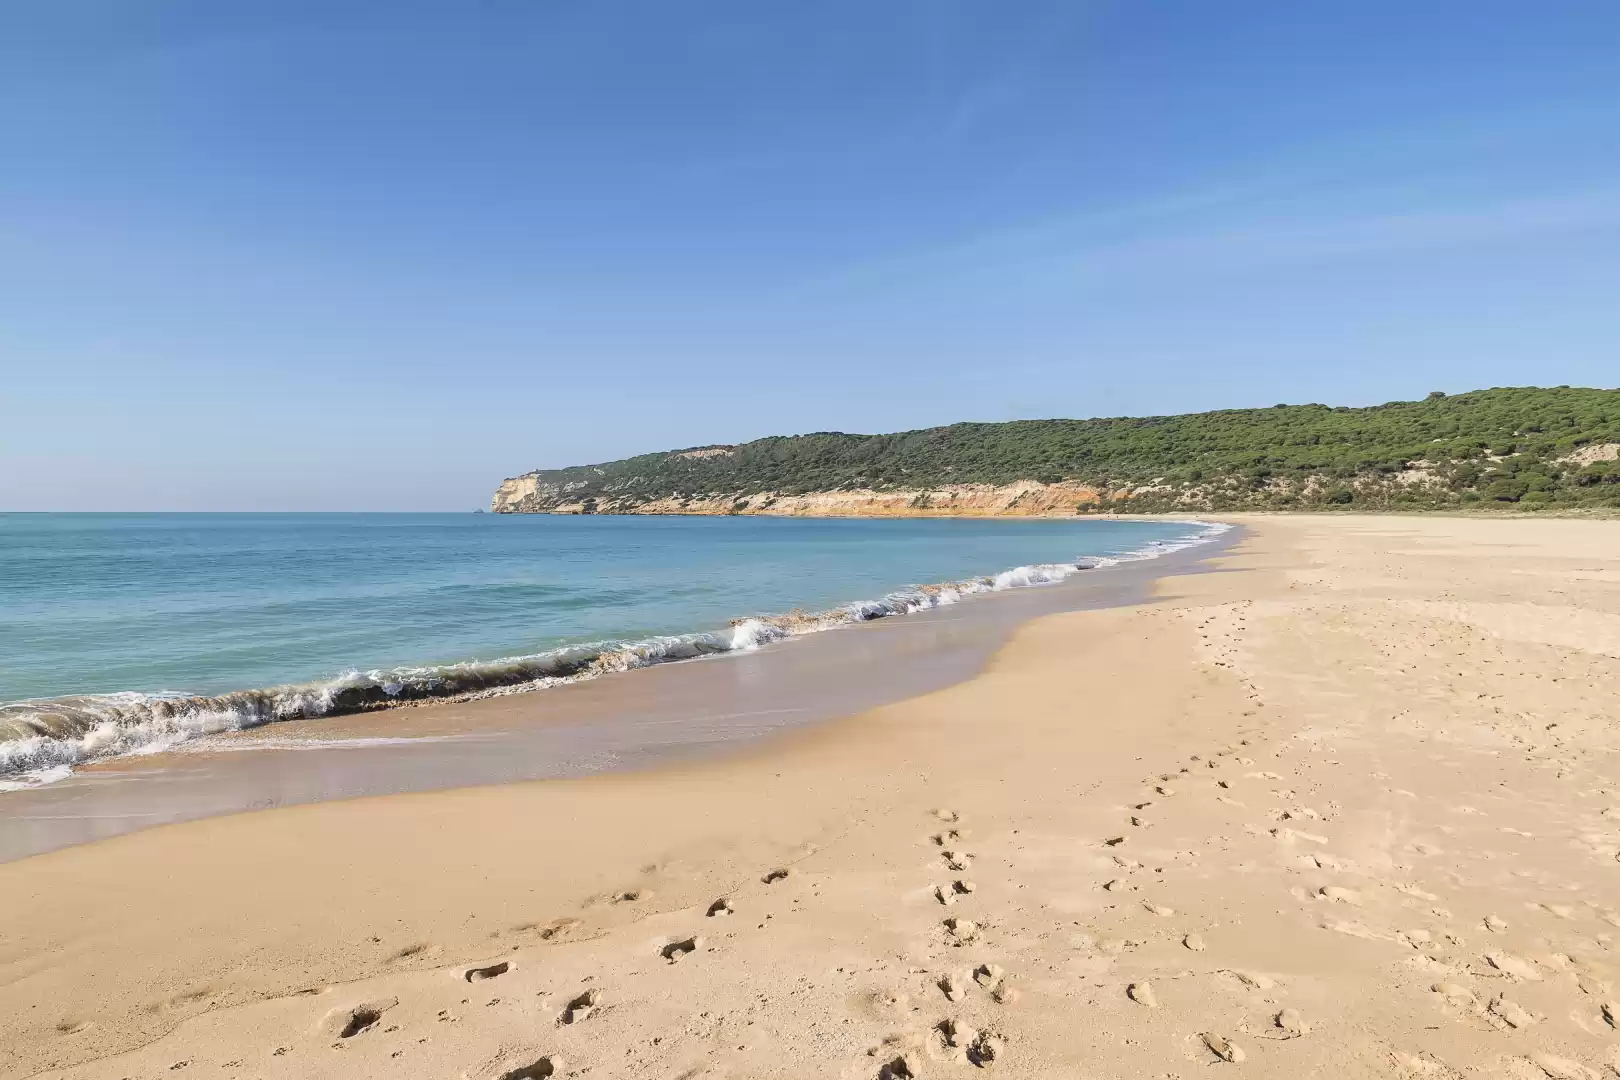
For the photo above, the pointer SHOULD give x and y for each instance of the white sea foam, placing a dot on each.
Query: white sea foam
(40, 741)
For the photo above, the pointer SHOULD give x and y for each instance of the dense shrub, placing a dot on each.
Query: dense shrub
(1498, 445)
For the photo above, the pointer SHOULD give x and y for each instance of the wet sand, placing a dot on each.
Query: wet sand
(628, 720)
(1349, 808)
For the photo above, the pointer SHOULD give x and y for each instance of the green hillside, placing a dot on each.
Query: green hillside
(1511, 447)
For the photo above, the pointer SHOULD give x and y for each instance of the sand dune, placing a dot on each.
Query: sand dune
(1348, 807)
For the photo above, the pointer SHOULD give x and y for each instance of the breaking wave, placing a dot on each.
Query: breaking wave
(40, 741)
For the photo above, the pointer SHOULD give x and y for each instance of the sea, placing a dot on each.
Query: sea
(126, 634)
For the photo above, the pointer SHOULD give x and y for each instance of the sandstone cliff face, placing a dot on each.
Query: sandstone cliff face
(529, 494)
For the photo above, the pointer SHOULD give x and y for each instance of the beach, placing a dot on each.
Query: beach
(1346, 804)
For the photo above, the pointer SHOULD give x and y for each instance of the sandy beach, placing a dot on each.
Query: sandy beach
(1348, 805)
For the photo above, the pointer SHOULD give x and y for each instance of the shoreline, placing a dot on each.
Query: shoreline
(47, 737)
(1348, 805)
(641, 716)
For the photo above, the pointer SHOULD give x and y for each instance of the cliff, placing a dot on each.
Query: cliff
(1509, 447)
(528, 494)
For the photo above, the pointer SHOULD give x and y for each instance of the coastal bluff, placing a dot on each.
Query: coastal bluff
(533, 494)
(1506, 448)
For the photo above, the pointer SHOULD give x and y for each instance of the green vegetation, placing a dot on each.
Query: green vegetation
(1510, 447)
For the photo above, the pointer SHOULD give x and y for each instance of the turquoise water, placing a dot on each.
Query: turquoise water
(130, 632)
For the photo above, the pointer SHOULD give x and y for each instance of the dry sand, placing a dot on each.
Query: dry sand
(1351, 808)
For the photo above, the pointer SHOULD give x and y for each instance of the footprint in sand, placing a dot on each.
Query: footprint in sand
(1339, 895)
(535, 1070)
(1254, 980)
(989, 976)
(675, 950)
(347, 1023)
(556, 929)
(949, 894)
(581, 1007)
(1291, 1023)
(1224, 1048)
(947, 815)
(1456, 998)
(907, 1066)
(779, 874)
(408, 951)
(479, 974)
(1194, 942)
(986, 1049)
(720, 907)
(961, 931)
(952, 987)
(1142, 994)
(1514, 967)
(1558, 1068)
(957, 860)
(1504, 1011)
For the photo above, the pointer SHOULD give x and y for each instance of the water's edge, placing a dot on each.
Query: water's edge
(41, 741)
(659, 715)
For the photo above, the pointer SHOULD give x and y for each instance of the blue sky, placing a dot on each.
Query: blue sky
(294, 255)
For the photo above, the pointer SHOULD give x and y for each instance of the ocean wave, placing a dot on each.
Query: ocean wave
(41, 741)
